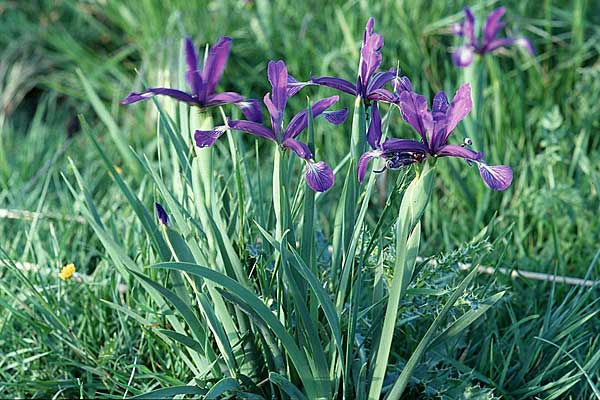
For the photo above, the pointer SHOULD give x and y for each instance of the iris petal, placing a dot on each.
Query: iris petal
(497, 177)
(319, 176)
(363, 163)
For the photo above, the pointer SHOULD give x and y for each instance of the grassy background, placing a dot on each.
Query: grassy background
(539, 116)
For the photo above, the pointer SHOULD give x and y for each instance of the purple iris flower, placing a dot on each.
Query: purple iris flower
(203, 83)
(161, 214)
(435, 128)
(319, 175)
(463, 56)
(369, 84)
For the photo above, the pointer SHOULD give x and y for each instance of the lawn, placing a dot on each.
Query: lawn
(214, 258)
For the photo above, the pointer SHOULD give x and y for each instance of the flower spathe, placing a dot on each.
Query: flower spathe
(369, 83)
(319, 175)
(434, 127)
(463, 56)
(203, 82)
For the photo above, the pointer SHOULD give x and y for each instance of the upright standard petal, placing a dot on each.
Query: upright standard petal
(468, 27)
(370, 55)
(463, 56)
(439, 110)
(319, 176)
(492, 26)
(414, 111)
(298, 147)
(374, 131)
(208, 138)
(134, 97)
(300, 121)
(497, 177)
(336, 83)
(215, 64)
(460, 106)
(278, 77)
(192, 74)
(363, 163)
(253, 128)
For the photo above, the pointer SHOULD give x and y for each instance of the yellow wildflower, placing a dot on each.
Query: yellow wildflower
(67, 272)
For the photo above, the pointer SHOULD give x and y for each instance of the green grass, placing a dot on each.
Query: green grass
(104, 336)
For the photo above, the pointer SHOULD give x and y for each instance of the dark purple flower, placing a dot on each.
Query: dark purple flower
(434, 127)
(319, 175)
(463, 56)
(369, 83)
(203, 82)
(161, 214)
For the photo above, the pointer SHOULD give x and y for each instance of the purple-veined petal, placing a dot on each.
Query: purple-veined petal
(460, 106)
(253, 128)
(374, 131)
(382, 95)
(336, 83)
(294, 86)
(404, 145)
(298, 147)
(319, 176)
(336, 117)
(414, 110)
(439, 109)
(497, 177)
(452, 150)
(251, 110)
(492, 26)
(134, 97)
(363, 163)
(401, 84)
(219, 99)
(208, 138)
(161, 214)
(381, 78)
(300, 121)
(215, 64)
(278, 77)
(192, 74)
(468, 27)
(463, 56)
(370, 54)
(273, 113)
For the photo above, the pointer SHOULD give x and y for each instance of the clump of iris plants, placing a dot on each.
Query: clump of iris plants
(279, 321)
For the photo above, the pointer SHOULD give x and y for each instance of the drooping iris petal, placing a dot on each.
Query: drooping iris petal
(319, 176)
(363, 163)
(374, 131)
(370, 54)
(251, 110)
(492, 26)
(161, 214)
(414, 111)
(208, 138)
(452, 150)
(497, 177)
(252, 128)
(468, 27)
(298, 147)
(278, 77)
(336, 83)
(463, 56)
(460, 106)
(215, 64)
(192, 74)
(300, 120)
(219, 99)
(336, 117)
(134, 97)
(383, 95)
(439, 109)
(504, 42)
